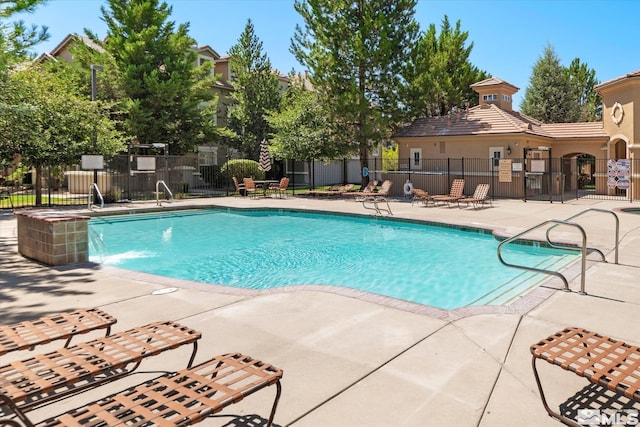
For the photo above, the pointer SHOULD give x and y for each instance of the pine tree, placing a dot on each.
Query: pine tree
(257, 92)
(164, 89)
(584, 80)
(16, 39)
(550, 96)
(357, 52)
(442, 74)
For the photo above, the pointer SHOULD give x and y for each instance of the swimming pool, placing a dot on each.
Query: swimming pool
(259, 249)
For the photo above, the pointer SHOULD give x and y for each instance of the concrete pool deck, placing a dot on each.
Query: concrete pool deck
(351, 361)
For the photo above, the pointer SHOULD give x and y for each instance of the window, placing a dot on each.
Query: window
(506, 98)
(492, 97)
(443, 147)
(416, 158)
(495, 154)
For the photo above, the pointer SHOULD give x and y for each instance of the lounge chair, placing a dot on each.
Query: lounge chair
(383, 191)
(60, 326)
(367, 190)
(281, 188)
(457, 187)
(421, 196)
(375, 200)
(334, 190)
(176, 398)
(239, 187)
(250, 187)
(479, 196)
(47, 377)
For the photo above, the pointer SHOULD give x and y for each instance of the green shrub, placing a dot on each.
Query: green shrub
(241, 168)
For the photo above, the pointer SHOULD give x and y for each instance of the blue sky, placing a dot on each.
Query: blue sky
(508, 35)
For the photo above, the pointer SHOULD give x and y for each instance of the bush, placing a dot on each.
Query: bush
(241, 168)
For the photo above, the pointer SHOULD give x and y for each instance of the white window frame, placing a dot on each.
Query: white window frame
(491, 97)
(415, 161)
(495, 154)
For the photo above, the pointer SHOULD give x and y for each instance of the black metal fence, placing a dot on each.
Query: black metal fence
(554, 180)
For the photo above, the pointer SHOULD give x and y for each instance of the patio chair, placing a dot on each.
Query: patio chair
(479, 196)
(47, 377)
(60, 326)
(177, 398)
(334, 190)
(281, 188)
(239, 187)
(250, 187)
(421, 196)
(457, 187)
(367, 190)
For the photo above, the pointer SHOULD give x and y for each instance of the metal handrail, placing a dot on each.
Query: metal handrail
(617, 234)
(91, 204)
(540, 270)
(158, 183)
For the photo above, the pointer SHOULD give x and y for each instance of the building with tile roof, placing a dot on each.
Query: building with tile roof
(493, 130)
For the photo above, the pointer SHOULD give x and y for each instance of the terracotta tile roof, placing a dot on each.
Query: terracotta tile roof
(489, 119)
(576, 130)
(479, 120)
(493, 81)
(617, 79)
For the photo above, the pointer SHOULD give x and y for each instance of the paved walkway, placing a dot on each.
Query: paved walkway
(353, 362)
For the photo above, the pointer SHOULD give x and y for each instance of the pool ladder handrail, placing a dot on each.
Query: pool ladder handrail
(97, 190)
(590, 249)
(583, 250)
(376, 204)
(158, 183)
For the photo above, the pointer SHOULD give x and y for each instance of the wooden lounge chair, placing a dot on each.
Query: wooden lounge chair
(250, 187)
(51, 376)
(177, 398)
(479, 196)
(239, 187)
(281, 188)
(421, 196)
(457, 187)
(61, 326)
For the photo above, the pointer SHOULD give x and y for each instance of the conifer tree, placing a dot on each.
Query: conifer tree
(550, 96)
(357, 52)
(257, 92)
(167, 95)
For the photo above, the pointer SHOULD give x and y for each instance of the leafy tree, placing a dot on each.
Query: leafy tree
(441, 74)
(257, 91)
(16, 39)
(167, 98)
(584, 81)
(301, 128)
(551, 96)
(357, 52)
(47, 122)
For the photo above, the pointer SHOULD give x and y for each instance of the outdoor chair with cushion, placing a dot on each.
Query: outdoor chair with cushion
(46, 377)
(479, 196)
(281, 188)
(177, 398)
(60, 326)
(457, 187)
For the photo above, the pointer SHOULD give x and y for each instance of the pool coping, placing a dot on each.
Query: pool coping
(525, 302)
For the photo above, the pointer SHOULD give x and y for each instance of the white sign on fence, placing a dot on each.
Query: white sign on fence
(92, 162)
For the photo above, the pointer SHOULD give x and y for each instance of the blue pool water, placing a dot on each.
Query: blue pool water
(437, 266)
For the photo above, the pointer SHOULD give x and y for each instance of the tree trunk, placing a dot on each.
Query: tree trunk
(38, 184)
